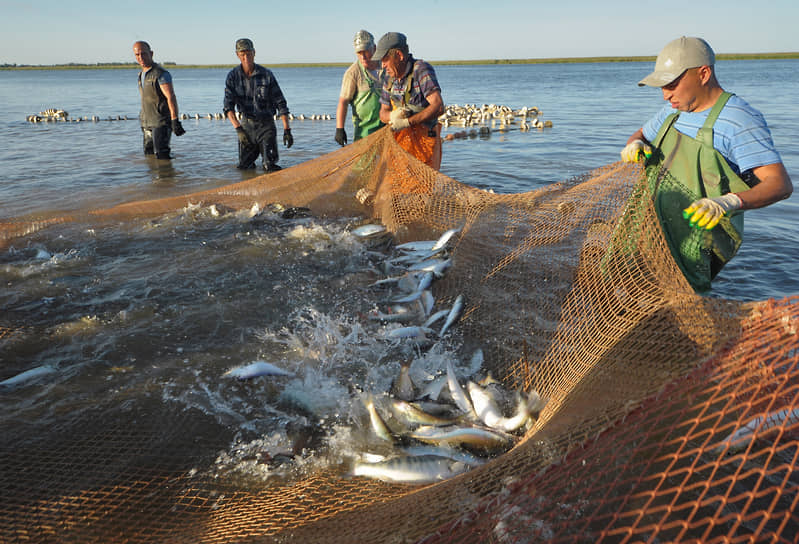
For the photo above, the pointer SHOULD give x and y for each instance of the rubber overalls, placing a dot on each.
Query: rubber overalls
(681, 170)
(366, 107)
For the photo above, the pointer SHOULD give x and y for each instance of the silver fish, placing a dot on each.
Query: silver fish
(428, 265)
(412, 415)
(441, 267)
(403, 387)
(379, 426)
(455, 435)
(454, 314)
(28, 375)
(369, 231)
(427, 301)
(458, 395)
(450, 453)
(444, 238)
(415, 332)
(441, 314)
(432, 389)
(420, 469)
(255, 369)
(417, 246)
(395, 314)
(489, 413)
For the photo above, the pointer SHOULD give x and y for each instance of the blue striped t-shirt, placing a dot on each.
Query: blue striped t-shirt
(740, 133)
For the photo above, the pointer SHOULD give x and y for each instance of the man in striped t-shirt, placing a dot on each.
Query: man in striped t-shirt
(708, 155)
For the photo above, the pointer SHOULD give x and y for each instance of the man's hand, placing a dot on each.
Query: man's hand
(288, 139)
(399, 119)
(177, 128)
(706, 212)
(243, 139)
(341, 137)
(632, 152)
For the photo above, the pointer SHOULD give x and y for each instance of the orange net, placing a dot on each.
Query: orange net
(671, 416)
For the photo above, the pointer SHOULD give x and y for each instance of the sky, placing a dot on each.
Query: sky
(204, 32)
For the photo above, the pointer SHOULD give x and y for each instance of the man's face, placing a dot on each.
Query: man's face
(682, 93)
(365, 57)
(143, 55)
(247, 58)
(393, 63)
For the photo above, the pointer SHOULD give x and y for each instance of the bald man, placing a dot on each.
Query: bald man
(159, 106)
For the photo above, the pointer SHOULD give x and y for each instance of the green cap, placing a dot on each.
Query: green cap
(244, 44)
(678, 56)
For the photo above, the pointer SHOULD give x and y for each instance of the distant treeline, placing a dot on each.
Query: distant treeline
(130, 65)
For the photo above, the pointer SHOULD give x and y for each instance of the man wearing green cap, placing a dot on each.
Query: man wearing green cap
(360, 87)
(253, 90)
(708, 156)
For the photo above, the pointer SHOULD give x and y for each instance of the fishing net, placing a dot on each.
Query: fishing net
(671, 416)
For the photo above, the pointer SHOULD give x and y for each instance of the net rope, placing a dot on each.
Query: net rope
(671, 416)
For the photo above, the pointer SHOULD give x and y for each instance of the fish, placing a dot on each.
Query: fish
(28, 375)
(427, 301)
(403, 387)
(489, 413)
(432, 389)
(415, 332)
(450, 453)
(455, 435)
(411, 414)
(454, 314)
(740, 438)
(255, 369)
(421, 469)
(370, 231)
(428, 265)
(396, 314)
(441, 314)
(458, 394)
(417, 246)
(443, 239)
(379, 426)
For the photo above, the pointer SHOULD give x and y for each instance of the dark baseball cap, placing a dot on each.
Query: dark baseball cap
(389, 40)
(244, 44)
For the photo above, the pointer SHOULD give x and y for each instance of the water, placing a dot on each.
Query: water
(153, 316)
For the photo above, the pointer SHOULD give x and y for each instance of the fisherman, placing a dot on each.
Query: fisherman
(360, 87)
(159, 106)
(255, 91)
(708, 156)
(411, 99)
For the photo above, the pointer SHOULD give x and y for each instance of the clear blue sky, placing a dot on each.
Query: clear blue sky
(203, 32)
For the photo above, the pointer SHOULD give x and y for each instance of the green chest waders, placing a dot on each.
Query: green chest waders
(681, 170)
(366, 108)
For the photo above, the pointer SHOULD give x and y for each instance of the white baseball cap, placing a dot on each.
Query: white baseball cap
(678, 56)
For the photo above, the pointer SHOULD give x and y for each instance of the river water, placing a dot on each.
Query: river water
(154, 317)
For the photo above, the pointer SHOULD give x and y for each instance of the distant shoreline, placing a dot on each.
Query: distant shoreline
(563, 60)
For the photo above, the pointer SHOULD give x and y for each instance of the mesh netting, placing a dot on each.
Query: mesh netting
(671, 416)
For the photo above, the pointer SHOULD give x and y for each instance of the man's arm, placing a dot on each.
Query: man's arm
(433, 110)
(775, 185)
(341, 112)
(171, 99)
(385, 113)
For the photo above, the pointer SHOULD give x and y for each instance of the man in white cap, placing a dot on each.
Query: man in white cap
(708, 156)
(360, 87)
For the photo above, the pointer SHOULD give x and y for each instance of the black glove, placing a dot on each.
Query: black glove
(177, 128)
(243, 139)
(341, 136)
(288, 139)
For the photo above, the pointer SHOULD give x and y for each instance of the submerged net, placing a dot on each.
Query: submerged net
(671, 416)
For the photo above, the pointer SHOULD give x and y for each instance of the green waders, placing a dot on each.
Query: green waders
(366, 108)
(681, 170)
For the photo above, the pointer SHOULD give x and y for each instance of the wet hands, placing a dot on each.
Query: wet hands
(243, 139)
(399, 119)
(707, 212)
(288, 139)
(177, 128)
(632, 151)
(341, 137)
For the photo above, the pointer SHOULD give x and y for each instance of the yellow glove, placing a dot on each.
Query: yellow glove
(632, 151)
(706, 212)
